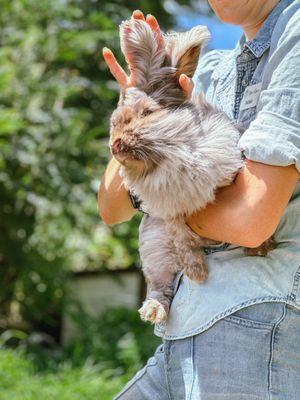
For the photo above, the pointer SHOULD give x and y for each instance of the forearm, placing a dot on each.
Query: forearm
(217, 221)
(114, 203)
(223, 220)
(248, 211)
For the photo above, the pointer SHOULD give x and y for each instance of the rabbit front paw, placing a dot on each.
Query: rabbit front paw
(153, 311)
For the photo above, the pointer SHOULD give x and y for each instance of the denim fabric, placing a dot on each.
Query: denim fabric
(258, 86)
(253, 354)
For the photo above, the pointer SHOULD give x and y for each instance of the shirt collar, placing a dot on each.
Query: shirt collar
(262, 41)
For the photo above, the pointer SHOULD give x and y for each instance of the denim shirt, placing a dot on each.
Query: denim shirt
(258, 86)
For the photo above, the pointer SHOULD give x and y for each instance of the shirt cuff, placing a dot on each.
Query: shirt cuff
(272, 139)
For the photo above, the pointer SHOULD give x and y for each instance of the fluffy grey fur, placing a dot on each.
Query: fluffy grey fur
(174, 153)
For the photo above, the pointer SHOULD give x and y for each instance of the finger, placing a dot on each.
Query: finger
(186, 84)
(137, 14)
(115, 68)
(152, 22)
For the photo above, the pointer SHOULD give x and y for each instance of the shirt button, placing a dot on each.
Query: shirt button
(245, 82)
(246, 57)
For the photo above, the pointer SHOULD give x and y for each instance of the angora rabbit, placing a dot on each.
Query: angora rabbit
(174, 153)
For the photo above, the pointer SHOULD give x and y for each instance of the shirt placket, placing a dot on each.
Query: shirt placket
(246, 63)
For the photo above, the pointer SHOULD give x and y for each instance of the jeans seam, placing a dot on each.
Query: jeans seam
(193, 367)
(295, 287)
(166, 367)
(272, 350)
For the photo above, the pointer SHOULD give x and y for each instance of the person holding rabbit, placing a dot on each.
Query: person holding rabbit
(236, 336)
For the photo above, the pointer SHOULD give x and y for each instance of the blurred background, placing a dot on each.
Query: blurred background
(69, 285)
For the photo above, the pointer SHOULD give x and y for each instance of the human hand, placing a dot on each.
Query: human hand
(118, 72)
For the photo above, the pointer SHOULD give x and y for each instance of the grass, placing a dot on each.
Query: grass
(95, 366)
(19, 381)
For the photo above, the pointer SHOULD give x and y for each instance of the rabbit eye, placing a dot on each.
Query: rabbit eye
(127, 120)
(146, 112)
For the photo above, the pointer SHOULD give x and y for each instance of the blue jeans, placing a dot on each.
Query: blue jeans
(253, 354)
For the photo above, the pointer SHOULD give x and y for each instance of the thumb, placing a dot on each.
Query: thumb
(186, 84)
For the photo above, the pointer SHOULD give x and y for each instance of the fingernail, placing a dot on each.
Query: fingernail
(149, 15)
(137, 12)
(105, 50)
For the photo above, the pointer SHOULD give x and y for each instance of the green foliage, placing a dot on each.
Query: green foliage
(18, 381)
(108, 352)
(56, 95)
(117, 339)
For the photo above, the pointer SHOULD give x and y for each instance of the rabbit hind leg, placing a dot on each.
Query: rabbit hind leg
(188, 247)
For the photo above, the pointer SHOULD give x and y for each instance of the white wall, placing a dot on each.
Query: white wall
(101, 291)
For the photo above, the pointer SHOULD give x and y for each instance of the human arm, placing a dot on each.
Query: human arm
(248, 211)
(114, 203)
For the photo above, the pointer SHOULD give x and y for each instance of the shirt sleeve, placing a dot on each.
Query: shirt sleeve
(274, 136)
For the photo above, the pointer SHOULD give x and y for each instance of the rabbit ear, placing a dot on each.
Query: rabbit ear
(184, 49)
(140, 45)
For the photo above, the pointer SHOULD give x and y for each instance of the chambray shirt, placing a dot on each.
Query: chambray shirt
(258, 86)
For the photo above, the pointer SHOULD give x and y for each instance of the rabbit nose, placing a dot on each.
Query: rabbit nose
(117, 146)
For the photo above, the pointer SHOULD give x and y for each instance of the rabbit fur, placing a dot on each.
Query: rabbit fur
(174, 154)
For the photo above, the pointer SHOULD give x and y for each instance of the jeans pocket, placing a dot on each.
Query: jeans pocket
(258, 316)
